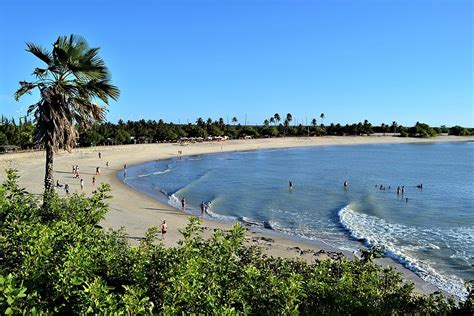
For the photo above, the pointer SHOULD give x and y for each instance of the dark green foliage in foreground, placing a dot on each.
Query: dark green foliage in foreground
(59, 261)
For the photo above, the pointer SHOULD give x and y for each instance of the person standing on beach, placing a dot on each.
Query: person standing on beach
(202, 208)
(82, 184)
(183, 203)
(100, 155)
(164, 229)
(66, 189)
(93, 180)
(107, 164)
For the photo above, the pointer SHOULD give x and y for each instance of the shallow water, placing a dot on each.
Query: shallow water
(432, 233)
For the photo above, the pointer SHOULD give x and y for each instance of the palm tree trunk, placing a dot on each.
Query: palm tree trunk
(48, 175)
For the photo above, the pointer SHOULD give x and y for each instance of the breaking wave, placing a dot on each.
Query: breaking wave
(376, 231)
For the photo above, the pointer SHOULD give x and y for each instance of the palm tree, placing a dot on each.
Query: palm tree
(234, 120)
(314, 122)
(200, 122)
(277, 117)
(394, 126)
(272, 120)
(266, 122)
(322, 118)
(289, 117)
(75, 77)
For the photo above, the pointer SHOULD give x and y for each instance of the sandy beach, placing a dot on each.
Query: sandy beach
(136, 212)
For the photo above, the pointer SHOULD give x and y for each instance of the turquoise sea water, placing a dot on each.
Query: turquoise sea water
(432, 234)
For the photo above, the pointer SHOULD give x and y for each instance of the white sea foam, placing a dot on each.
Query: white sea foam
(154, 173)
(376, 231)
(174, 201)
(220, 217)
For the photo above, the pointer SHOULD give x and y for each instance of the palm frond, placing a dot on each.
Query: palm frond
(40, 52)
(25, 87)
(40, 73)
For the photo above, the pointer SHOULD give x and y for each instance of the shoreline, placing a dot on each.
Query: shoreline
(136, 211)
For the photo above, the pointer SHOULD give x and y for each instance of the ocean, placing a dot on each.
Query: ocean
(431, 233)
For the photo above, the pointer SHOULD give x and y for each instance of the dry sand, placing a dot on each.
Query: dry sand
(136, 212)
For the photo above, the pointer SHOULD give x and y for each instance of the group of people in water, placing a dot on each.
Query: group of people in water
(400, 189)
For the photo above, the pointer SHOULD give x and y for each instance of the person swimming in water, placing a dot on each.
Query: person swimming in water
(183, 203)
(290, 185)
(345, 184)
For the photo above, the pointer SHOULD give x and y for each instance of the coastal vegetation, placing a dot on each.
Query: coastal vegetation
(69, 83)
(58, 260)
(21, 132)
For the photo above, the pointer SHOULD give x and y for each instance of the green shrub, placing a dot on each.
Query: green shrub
(459, 131)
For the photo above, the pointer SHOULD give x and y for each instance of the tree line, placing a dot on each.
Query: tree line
(145, 131)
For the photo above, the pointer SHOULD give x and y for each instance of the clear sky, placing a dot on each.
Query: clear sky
(178, 60)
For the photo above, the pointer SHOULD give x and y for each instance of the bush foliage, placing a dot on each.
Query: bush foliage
(60, 261)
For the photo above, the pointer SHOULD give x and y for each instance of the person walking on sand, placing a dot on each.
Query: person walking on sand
(93, 180)
(66, 189)
(203, 206)
(82, 184)
(164, 229)
(183, 203)
(107, 164)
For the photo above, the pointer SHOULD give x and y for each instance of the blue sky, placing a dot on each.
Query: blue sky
(379, 60)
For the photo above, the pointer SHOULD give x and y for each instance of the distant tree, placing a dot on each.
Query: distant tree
(421, 130)
(74, 77)
(200, 122)
(314, 122)
(266, 122)
(394, 126)
(289, 117)
(322, 116)
(277, 117)
(443, 129)
(3, 139)
(234, 120)
(459, 131)
(221, 121)
(272, 120)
